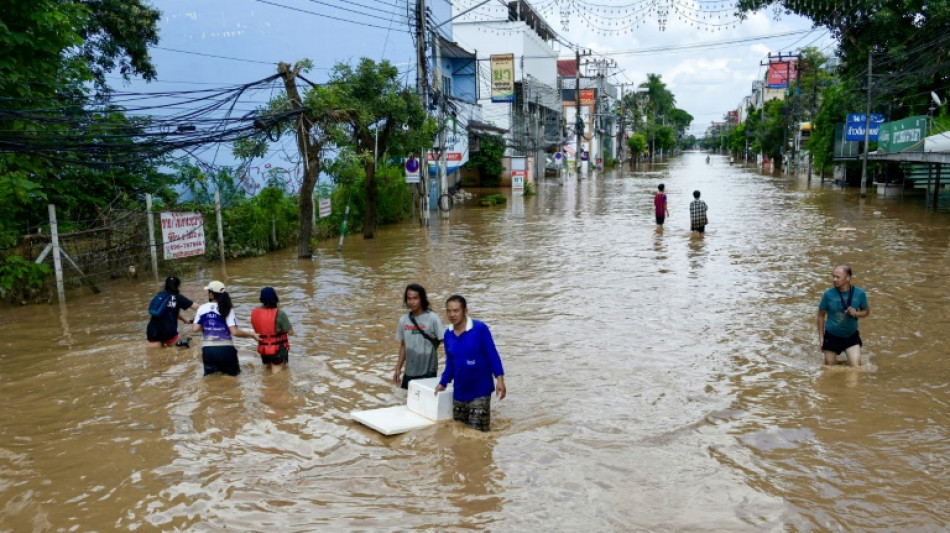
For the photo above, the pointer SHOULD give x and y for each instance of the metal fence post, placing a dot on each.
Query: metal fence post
(57, 261)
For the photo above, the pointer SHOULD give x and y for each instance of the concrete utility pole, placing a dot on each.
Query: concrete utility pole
(578, 123)
(421, 54)
(867, 134)
(621, 145)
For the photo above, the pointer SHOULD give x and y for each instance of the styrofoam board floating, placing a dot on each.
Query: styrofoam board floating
(391, 420)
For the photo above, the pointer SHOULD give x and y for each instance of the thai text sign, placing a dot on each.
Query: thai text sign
(587, 96)
(183, 234)
(326, 207)
(903, 135)
(854, 127)
(780, 72)
(503, 78)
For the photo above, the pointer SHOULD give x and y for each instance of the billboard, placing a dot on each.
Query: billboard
(780, 73)
(854, 126)
(503, 78)
(183, 234)
(587, 96)
(903, 135)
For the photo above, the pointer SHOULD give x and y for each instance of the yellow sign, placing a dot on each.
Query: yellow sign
(503, 78)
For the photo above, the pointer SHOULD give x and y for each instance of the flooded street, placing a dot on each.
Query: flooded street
(657, 381)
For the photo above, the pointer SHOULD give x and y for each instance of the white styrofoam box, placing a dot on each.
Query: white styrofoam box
(391, 420)
(424, 401)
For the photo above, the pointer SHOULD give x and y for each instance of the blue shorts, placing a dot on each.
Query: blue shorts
(220, 359)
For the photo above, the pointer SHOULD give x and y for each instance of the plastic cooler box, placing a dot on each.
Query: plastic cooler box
(423, 408)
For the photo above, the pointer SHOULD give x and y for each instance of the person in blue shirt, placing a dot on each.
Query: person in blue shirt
(471, 362)
(838, 312)
(162, 329)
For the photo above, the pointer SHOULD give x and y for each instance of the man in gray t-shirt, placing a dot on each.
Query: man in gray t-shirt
(419, 341)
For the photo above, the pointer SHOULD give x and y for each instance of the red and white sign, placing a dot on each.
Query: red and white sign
(183, 234)
(325, 207)
(451, 156)
(781, 73)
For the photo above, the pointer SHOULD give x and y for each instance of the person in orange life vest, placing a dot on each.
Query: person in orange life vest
(273, 325)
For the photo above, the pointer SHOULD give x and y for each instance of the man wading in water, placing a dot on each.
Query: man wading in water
(838, 314)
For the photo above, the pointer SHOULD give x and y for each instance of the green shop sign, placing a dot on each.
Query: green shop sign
(905, 135)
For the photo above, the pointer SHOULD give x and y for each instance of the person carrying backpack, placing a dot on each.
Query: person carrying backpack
(165, 312)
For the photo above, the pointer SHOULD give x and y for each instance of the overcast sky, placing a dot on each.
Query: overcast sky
(224, 42)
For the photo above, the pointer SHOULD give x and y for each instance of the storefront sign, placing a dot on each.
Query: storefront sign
(503, 78)
(903, 135)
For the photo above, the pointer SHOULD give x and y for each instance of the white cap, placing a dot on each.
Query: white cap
(215, 286)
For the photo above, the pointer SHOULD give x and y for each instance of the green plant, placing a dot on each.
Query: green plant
(493, 199)
(529, 189)
(21, 279)
(487, 160)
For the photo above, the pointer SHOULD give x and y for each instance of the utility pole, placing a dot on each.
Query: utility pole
(867, 134)
(439, 89)
(578, 123)
(621, 144)
(421, 63)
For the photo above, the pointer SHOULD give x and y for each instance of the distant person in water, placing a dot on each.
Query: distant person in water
(165, 313)
(218, 325)
(838, 312)
(660, 205)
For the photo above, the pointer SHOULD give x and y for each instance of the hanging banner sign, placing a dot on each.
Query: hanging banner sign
(183, 234)
(326, 207)
(854, 127)
(503, 78)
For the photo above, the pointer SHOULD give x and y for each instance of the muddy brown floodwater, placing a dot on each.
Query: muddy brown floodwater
(657, 381)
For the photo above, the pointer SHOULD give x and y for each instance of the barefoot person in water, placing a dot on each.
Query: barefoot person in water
(838, 312)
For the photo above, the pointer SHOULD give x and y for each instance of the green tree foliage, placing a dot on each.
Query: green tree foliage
(638, 145)
(56, 53)
(487, 160)
(909, 41)
(836, 102)
(771, 131)
(379, 115)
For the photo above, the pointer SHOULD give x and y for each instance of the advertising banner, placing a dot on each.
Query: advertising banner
(503, 78)
(183, 234)
(780, 72)
(903, 135)
(587, 96)
(854, 127)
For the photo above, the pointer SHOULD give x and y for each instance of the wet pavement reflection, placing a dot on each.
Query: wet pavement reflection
(658, 380)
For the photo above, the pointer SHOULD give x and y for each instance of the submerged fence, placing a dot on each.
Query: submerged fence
(127, 243)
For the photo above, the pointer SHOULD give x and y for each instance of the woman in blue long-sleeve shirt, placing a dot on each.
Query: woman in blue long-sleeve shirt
(471, 361)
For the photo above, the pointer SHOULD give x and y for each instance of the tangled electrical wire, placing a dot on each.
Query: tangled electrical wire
(132, 127)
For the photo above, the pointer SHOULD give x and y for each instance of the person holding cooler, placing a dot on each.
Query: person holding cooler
(472, 363)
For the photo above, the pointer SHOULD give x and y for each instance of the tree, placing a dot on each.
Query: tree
(487, 160)
(909, 41)
(638, 144)
(661, 99)
(378, 114)
(56, 53)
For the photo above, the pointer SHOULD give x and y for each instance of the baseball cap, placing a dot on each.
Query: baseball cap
(215, 286)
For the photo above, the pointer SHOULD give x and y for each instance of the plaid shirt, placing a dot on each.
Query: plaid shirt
(697, 213)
